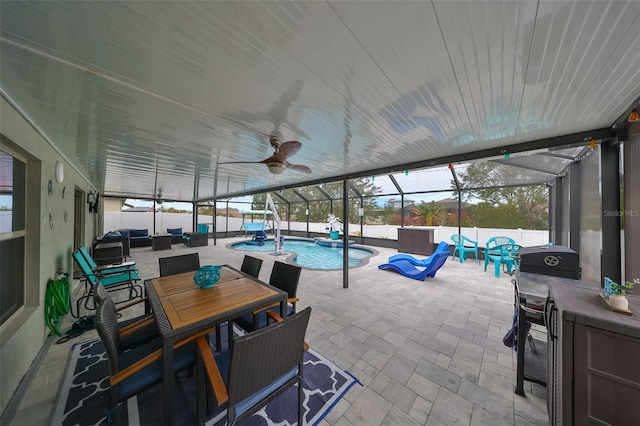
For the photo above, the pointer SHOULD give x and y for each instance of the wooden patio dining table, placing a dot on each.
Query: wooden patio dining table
(182, 309)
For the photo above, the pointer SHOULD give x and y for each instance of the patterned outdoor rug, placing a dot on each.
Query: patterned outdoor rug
(84, 395)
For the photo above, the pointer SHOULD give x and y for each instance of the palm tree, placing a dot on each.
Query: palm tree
(428, 211)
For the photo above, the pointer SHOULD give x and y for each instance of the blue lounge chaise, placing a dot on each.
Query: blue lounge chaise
(405, 267)
(442, 247)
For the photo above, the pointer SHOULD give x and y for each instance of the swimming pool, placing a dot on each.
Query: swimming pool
(308, 254)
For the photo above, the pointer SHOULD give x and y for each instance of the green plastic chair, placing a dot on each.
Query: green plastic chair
(116, 281)
(493, 252)
(510, 253)
(462, 249)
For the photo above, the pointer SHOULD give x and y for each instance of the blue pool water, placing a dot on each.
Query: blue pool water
(311, 255)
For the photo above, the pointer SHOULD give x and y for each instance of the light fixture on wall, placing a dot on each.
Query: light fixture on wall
(59, 171)
(92, 201)
(633, 116)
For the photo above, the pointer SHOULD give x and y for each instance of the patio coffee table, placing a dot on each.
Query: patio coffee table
(161, 242)
(107, 253)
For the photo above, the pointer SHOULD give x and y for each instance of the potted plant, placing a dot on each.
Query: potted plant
(618, 297)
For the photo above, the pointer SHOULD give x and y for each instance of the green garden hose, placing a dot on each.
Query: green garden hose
(57, 302)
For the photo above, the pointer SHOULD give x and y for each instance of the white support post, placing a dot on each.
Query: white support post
(278, 240)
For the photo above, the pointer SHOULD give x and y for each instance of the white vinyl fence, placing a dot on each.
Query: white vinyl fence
(142, 220)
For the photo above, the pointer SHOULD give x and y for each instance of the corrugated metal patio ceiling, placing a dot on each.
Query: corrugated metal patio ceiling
(148, 96)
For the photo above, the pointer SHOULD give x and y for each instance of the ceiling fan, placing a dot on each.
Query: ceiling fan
(277, 163)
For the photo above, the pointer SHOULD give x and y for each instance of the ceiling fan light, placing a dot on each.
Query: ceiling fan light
(276, 168)
(633, 117)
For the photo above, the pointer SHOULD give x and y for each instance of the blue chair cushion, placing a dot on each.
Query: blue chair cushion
(174, 231)
(118, 278)
(141, 336)
(246, 321)
(183, 357)
(223, 359)
(139, 233)
(125, 233)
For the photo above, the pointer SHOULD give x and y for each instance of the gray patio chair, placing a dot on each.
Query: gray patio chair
(132, 371)
(284, 277)
(173, 265)
(258, 367)
(251, 266)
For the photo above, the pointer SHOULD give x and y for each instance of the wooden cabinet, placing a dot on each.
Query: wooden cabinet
(594, 359)
(415, 240)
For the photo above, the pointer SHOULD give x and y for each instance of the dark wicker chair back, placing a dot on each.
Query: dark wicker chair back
(106, 321)
(139, 367)
(100, 294)
(251, 266)
(285, 277)
(143, 331)
(178, 264)
(259, 358)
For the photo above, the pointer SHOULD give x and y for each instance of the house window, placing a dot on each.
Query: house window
(12, 234)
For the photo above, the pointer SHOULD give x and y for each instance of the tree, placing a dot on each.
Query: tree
(526, 206)
(504, 216)
(174, 210)
(428, 212)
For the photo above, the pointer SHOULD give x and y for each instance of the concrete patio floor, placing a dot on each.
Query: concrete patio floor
(427, 353)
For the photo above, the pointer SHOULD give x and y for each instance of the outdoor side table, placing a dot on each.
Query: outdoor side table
(106, 253)
(161, 242)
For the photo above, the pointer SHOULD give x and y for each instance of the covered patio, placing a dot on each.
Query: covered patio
(426, 352)
(202, 102)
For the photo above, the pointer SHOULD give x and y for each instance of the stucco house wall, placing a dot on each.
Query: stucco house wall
(48, 248)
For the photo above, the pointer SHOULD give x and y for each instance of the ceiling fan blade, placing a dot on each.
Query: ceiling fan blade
(273, 159)
(286, 150)
(244, 162)
(297, 167)
(278, 161)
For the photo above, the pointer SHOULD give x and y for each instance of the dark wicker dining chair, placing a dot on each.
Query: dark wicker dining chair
(284, 277)
(133, 331)
(132, 371)
(258, 367)
(251, 266)
(178, 264)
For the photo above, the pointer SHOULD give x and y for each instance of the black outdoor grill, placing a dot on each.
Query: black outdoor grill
(558, 261)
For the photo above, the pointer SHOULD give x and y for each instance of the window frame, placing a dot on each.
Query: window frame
(15, 235)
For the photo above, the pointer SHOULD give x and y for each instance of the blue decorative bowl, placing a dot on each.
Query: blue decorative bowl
(207, 276)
